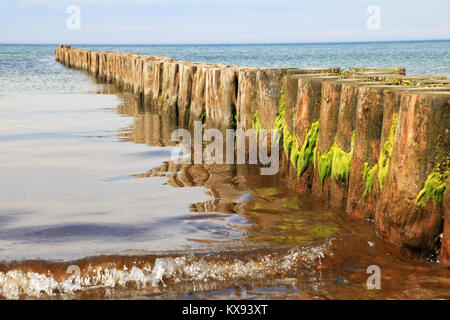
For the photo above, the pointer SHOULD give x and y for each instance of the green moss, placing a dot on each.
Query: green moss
(340, 168)
(295, 152)
(280, 120)
(287, 141)
(400, 82)
(368, 177)
(386, 153)
(283, 96)
(344, 73)
(300, 157)
(280, 124)
(256, 124)
(324, 164)
(315, 155)
(435, 186)
(308, 150)
(406, 83)
(335, 163)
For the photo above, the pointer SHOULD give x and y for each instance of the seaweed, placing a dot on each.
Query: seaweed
(256, 124)
(435, 186)
(280, 120)
(368, 177)
(386, 153)
(324, 164)
(308, 150)
(287, 141)
(336, 163)
(341, 164)
(299, 157)
(295, 153)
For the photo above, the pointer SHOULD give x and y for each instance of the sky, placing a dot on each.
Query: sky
(221, 21)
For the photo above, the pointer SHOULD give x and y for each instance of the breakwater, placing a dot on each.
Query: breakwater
(370, 140)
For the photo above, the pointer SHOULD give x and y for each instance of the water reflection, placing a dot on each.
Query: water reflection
(264, 216)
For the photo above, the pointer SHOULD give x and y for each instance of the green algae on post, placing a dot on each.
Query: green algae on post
(256, 124)
(300, 158)
(397, 81)
(308, 149)
(386, 153)
(280, 123)
(324, 165)
(340, 167)
(295, 153)
(368, 177)
(280, 120)
(335, 163)
(434, 188)
(287, 141)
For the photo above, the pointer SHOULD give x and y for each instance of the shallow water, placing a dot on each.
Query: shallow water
(91, 207)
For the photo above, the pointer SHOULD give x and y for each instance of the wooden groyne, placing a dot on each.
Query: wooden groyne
(373, 141)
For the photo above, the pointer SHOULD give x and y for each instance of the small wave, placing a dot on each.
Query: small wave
(158, 272)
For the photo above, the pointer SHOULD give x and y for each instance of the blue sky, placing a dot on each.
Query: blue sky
(217, 21)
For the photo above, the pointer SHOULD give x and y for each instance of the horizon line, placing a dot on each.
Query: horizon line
(218, 43)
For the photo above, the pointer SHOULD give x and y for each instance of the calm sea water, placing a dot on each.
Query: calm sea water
(31, 68)
(86, 182)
